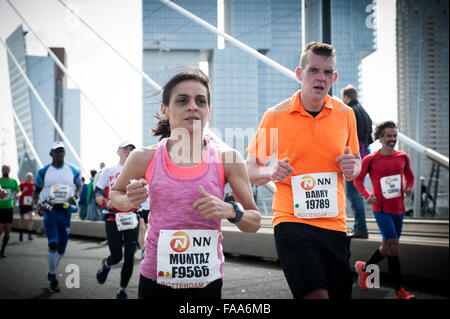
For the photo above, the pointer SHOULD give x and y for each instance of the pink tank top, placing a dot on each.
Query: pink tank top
(171, 199)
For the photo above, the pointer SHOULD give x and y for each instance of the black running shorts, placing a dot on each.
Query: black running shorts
(25, 209)
(313, 258)
(6, 215)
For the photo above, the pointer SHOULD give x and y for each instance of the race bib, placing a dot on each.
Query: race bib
(60, 193)
(391, 186)
(188, 258)
(28, 200)
(126, 221)
(8, 194)
(315, 195)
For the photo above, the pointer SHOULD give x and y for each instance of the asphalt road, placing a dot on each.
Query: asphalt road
(23, 275)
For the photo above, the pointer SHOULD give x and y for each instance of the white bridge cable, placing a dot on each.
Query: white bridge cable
(25, 135)
(237, 43)
(38, 160)
(431, 154)
(214, 137)
(145, 76)
(44, 107)
(63, 68)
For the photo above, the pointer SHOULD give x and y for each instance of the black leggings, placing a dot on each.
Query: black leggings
(114, 237)
(149, 289)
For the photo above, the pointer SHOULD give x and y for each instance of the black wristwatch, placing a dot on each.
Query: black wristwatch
(239, 212)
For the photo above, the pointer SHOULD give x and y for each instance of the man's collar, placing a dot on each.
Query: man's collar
(296, 104)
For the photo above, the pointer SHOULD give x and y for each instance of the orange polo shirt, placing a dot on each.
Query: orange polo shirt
(312, 144)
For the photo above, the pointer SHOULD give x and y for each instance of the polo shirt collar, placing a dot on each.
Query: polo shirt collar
(296, 104)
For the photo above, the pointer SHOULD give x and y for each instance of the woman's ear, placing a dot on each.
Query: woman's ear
(164, 111)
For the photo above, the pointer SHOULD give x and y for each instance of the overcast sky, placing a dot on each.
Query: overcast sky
(116, 89)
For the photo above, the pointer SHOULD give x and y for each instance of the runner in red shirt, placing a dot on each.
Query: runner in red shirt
(26, 205)
(391, 176)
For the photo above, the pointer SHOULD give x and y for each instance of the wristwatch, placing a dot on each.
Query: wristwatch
(239, 212)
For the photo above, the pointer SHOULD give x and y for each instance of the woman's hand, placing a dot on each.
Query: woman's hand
(211, 206)
(136, 192)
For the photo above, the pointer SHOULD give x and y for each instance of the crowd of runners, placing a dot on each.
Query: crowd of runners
(168, 198)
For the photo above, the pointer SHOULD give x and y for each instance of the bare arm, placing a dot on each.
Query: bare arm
(125, 196)
(260, 175)
(236, 175)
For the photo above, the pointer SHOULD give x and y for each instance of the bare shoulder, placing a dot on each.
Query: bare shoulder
(143, 155)
(229, 155)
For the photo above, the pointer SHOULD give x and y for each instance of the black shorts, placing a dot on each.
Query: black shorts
(149, 289)
(314, 258)
(6, 215)
(25, 209)
(144, 215)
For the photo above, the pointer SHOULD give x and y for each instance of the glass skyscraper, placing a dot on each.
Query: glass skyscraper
(63, 104)
(423, 83)
(243, 88)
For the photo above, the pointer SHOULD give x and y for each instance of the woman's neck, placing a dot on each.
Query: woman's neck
(186, 152)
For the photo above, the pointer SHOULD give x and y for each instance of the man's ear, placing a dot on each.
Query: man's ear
(298, 73)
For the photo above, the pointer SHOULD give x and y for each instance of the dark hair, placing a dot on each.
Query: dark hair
(162, 128)
(379, 129)
(350, 92)
(93, 172)
(318, 48)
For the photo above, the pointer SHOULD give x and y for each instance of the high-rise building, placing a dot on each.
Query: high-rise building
(353, 35)
(63, 103)
(243, 87)
(423, 82)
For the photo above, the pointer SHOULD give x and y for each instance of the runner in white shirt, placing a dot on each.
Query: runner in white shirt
(118, 225)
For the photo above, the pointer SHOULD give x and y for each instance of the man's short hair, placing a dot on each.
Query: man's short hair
(318, 48)
(350, 92)
(379, 129)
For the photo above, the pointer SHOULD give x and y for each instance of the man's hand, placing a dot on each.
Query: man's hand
(3, 193)
(408, 191)
(281, 170)
(349, 164)
(40, 209)
(136, 192)
(371, 200)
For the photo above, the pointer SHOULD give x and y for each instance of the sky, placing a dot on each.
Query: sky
(116, 89)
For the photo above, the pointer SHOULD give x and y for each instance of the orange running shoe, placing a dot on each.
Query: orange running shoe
(403, 294)
(362, 275)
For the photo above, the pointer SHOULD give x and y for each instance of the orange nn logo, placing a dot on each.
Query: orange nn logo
(180, 241)
(308, 182)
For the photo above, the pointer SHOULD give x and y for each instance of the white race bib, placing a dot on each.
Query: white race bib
(188, 258)
(28, 200)
(391, 186)
(60, 193)
(8, 194)
(315, 195)
(126, 221)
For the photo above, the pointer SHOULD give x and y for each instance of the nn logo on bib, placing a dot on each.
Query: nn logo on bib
(388, 181)
(180, 242)
(308, 182)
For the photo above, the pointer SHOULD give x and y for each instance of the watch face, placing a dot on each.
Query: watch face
(240, 206)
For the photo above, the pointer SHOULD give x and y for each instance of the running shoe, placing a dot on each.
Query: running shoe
(122, 295)
(102, 273)
(403, 294)
(362, 275)
(54, 286)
